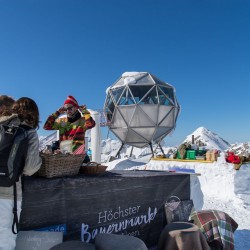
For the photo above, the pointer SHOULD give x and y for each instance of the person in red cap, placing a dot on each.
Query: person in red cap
(72, 126)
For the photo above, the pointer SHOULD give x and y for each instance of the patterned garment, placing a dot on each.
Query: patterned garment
(79, 151)
(218, 228)
(74, 131)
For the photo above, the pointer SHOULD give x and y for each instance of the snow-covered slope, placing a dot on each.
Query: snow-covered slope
(208, 139)
(240, 149)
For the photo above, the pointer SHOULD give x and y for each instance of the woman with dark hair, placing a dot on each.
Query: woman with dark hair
(24, 112)
(27, 111)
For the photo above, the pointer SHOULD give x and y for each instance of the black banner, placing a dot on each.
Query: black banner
(120, 202)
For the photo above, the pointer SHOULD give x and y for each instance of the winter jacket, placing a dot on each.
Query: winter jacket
(33, 160)
(74, 131)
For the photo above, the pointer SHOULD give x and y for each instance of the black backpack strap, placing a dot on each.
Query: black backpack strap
(15, 218)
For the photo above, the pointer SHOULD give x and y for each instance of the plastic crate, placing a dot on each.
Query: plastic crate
(201, 152)
(191, 154)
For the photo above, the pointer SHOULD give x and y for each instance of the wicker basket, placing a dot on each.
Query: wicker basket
(92, 168)
(58, 165)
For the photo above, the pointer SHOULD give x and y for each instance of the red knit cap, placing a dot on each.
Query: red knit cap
(71, 100)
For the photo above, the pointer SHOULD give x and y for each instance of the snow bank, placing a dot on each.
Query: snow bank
(218, 180)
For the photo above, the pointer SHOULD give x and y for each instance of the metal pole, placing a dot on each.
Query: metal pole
(161, 149)
(150, 144)
(118, 153)
(131, 151)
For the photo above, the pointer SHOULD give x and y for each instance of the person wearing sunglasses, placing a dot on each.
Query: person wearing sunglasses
(72, 121)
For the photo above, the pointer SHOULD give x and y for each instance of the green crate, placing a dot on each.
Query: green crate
(200, 152)
(191, 154)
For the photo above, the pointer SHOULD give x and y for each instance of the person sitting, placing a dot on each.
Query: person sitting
(72, 126)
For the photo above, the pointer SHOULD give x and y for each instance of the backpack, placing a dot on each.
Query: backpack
(13, 150)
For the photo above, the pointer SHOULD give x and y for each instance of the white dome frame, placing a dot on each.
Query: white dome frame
(141, 109)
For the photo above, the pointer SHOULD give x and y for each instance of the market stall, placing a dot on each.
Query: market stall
(122, 202)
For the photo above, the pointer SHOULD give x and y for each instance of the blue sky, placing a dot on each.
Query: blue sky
(50, 49)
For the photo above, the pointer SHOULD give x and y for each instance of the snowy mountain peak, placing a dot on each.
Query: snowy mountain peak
(204, 137)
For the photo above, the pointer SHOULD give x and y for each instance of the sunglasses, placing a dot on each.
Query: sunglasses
(69, 108)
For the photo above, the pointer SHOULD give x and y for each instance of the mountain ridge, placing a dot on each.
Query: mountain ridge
(202, 137)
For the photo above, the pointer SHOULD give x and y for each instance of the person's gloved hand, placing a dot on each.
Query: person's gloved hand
(84, 111)
(61, 110)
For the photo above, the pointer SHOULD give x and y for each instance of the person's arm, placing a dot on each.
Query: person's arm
(51, 123)
(33, 160)
(89, 121)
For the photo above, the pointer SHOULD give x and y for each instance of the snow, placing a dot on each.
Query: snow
(127, 74)
(205, 136)
(129, 80)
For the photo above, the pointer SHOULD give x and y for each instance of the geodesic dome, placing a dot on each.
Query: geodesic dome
(141, 109)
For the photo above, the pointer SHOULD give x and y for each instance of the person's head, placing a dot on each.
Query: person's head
(71, 106)
(27, 111)
(6, 103)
